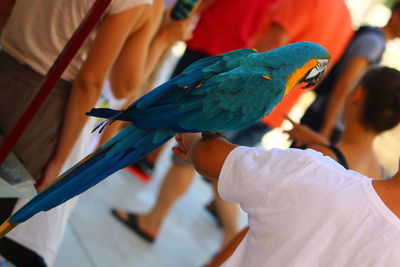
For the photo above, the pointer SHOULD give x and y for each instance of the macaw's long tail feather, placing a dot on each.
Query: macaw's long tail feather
(104, 113)
(129, 146)
(6, 227)
(110, 114)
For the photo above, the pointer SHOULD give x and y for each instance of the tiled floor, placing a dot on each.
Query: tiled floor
(94, 238)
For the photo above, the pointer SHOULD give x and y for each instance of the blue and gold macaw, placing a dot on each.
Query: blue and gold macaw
(226, 92)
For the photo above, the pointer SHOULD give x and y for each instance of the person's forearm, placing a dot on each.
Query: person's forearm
(158, 47)
(129, 71)
(334, 106)
(203, 5)
(228, 250)
(168, 34)
(80, 101)
(208, 156)
(348, 78)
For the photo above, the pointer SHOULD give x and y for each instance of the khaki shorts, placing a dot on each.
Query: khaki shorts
(18, 85)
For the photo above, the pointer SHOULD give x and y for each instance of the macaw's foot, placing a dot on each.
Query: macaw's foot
(132, 221)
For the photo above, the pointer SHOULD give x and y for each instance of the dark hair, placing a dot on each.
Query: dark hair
(396, 7)
(382, 101)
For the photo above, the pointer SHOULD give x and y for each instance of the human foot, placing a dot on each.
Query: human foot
(132, 221)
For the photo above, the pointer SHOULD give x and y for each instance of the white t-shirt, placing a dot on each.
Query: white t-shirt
(38, 30)
(305, 209)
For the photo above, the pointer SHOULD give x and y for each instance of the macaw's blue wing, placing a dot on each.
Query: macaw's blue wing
(191, 77)
(231, 100)
(223, 102)
(219, 63)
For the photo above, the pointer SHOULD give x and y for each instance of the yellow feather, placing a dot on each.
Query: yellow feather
(297, 75)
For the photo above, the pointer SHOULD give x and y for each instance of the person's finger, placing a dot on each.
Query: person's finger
(180, 153)
(178, 137)
(177, 150)
(288, 133)
(291, 132)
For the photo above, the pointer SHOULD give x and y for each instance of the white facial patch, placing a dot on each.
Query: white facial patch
(321, 65)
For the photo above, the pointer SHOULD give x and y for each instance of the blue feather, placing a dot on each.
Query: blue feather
(102, 113)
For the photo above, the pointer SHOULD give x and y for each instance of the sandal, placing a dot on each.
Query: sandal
(132, 223)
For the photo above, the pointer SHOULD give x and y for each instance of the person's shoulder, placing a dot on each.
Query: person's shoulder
(368, 44)
(369, 34)
(325, 150)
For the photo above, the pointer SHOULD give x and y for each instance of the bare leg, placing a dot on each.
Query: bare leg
(153, 156)
(229, 215)
(176, 183)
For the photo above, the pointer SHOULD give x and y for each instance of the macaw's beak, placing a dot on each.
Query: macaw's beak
(314, 80)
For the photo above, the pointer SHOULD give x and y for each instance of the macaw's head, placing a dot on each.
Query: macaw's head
(304, 62)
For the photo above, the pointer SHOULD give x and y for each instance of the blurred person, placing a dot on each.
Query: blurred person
(127, 29)
(26, 45)
(365, 49)
(28, 50)
(223, 26)
(303, 208)
(121, 89)
(325, 22)
(315, 21)
(372, 108)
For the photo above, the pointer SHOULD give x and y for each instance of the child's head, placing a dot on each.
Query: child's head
(381, 105)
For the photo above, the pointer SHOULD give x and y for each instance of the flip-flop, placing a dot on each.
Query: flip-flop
(132, 223)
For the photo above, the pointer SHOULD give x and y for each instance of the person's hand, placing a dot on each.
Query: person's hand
(303, 135)
(51, 172)
(185, 141)
(177, 30)
(326, 133)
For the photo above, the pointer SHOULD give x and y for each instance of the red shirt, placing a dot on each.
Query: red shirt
(326, 22)
(228, 25)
